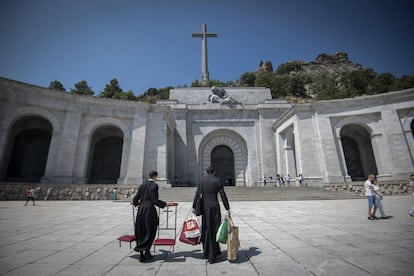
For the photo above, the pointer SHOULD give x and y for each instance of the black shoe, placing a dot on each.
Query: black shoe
(148, 254)
(141, 257)
(211, 261)
(136, 249)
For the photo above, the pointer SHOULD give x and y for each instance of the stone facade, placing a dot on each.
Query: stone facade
(54, 137)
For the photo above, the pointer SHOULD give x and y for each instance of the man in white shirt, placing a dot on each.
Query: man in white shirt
(370, 194)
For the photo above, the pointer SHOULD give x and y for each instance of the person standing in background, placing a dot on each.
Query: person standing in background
(370, 194)
(30, 196)
(411, 185)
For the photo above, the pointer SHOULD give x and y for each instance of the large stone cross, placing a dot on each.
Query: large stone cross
(204, 68)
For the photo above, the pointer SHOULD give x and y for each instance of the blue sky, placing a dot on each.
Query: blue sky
(148, 43)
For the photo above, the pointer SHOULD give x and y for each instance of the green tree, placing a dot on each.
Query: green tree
(383, 83)
(164, 93)
(56, 85)
(403, 83)
(286, 68)
(196, 83)
(247, 79)
(112, 90)
(82, 88)
(359, 81)
(129, 96)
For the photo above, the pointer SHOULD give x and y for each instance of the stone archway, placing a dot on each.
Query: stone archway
(105, 155)
(358, 153)
(234, 142)
(29, 141)
(222, 159)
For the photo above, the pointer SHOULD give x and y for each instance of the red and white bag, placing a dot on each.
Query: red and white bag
(192, 227)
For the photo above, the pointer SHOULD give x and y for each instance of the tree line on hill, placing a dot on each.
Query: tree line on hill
(329, 77)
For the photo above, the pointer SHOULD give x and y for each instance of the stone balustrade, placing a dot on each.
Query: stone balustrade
(16, 191)
(388, 188)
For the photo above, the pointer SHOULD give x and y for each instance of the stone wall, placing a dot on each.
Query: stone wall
(389, 188)
(16, 191)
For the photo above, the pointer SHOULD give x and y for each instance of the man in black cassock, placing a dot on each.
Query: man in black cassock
(209, 187)
(147, 218)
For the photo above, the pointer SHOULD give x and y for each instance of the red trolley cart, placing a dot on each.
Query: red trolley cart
(168, 227)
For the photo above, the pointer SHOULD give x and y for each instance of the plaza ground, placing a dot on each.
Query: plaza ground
(313, 237)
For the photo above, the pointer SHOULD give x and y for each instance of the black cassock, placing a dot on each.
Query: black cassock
(147, 218)
(210, 186)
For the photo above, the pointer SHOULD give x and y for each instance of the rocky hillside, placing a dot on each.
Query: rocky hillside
(329, 65)
(327, 77)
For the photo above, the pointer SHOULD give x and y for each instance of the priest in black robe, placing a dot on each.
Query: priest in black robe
(147, 218)
(210, 186)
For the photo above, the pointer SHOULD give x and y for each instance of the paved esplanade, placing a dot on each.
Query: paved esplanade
(319, 237)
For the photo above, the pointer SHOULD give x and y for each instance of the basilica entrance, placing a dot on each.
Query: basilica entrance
(105, 156)
(222, 159)
(357, 148)
(30, 140)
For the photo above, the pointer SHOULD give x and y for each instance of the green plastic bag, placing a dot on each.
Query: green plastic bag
(223, 231)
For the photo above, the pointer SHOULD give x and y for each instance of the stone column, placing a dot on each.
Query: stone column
(308, 159)
(4, 132)
(290, 162)
(329, 152)
(156, 147)
(343, 161)
(66, 152)
(135, 166)
(390, 149)
(52, 157)
(181, 156)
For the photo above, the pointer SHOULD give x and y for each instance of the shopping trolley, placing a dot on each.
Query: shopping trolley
(168, 227)
(129, 238)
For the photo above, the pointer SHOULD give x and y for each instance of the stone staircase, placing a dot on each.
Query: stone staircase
(260, 194)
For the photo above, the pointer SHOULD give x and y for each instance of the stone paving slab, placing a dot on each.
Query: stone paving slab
(317, 237)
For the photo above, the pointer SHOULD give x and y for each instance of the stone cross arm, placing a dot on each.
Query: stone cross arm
(204, 35)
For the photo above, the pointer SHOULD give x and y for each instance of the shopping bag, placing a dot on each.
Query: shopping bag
(192, 241)
(192, 228)
(233, 242)
(222, 232)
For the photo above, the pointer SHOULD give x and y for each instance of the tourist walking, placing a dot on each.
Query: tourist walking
(411, 185)
(288, 180)
(370, 194)
(30, 196)
(378, 200)
(147, 219)
(208, 188)
(300, 179)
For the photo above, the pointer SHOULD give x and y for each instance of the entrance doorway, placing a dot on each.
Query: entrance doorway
(222, 159)
(105, 156)
(359, 156)
(30, 140)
